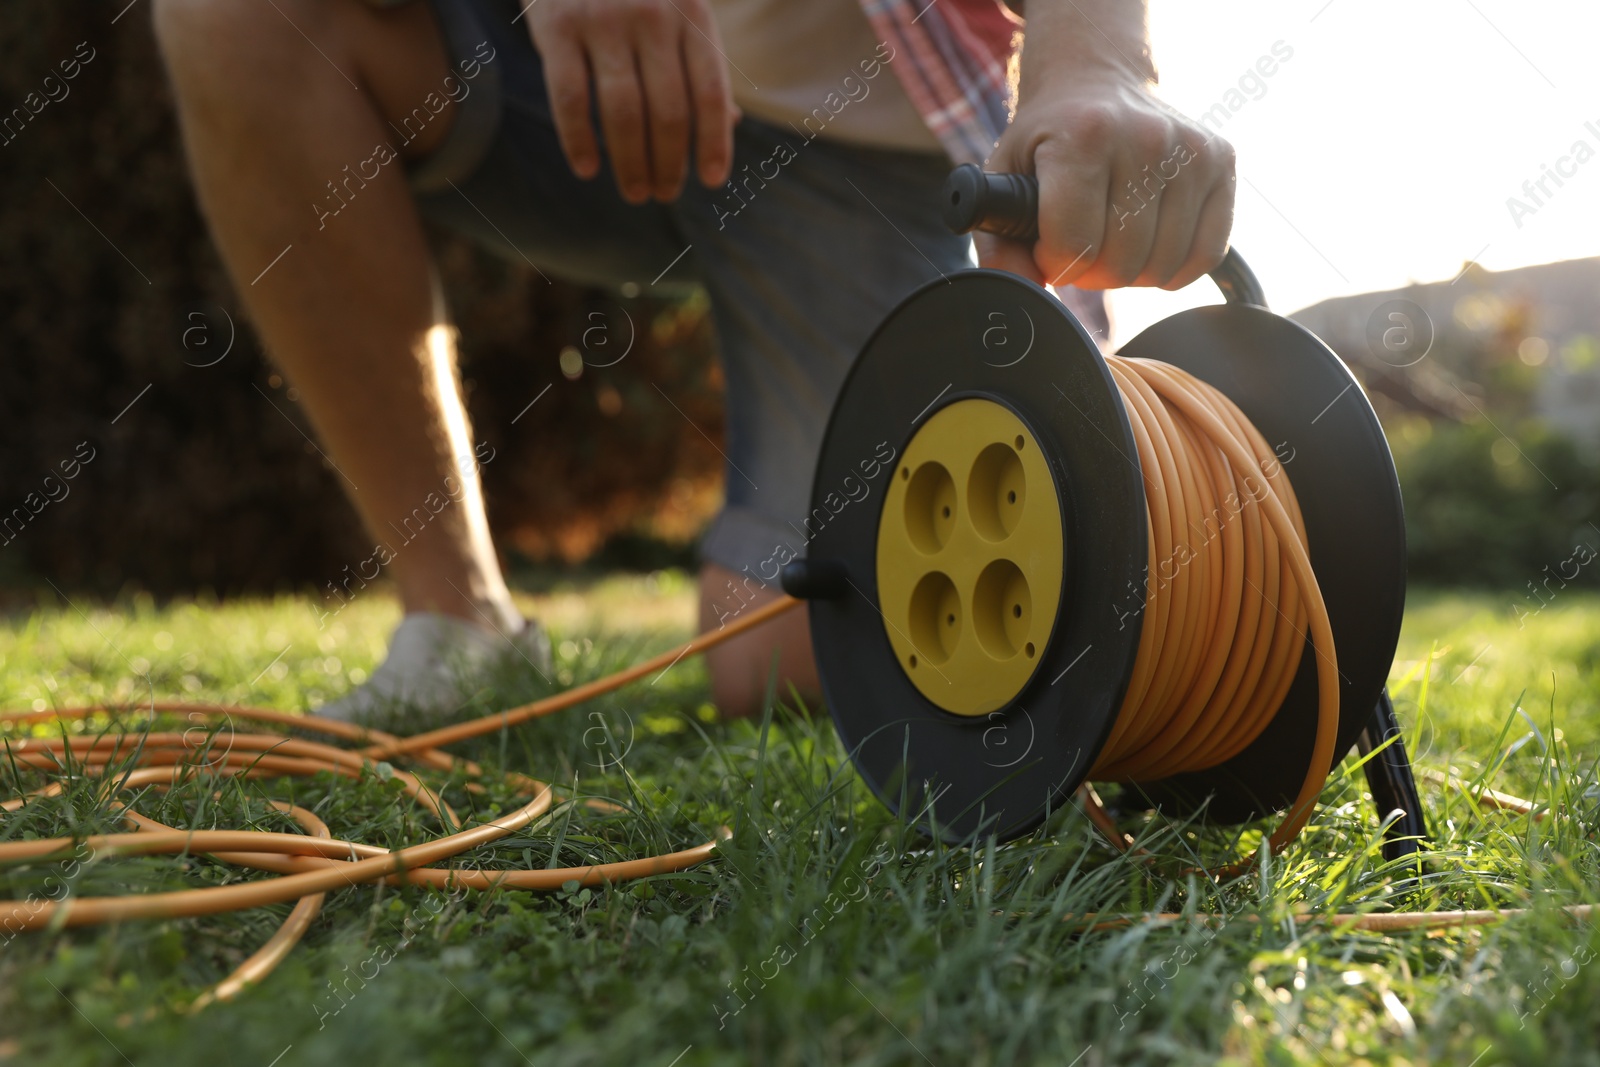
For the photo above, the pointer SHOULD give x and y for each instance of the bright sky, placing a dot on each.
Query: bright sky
(1384, 150)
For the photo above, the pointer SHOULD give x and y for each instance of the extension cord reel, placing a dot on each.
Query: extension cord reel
(976, 631)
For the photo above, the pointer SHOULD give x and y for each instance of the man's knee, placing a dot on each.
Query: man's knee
(294, 50)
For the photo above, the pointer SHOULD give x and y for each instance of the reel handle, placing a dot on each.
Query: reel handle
(1007, 205)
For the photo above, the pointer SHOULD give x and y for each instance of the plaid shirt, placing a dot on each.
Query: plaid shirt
(958, 53)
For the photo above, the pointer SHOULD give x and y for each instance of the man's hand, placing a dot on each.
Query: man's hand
(660, 82)
(1130, 192)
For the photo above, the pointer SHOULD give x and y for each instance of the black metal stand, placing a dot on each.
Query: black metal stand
(1394, 787)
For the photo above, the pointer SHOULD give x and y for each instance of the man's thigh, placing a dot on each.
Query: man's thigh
(804, 255)
(501, 178)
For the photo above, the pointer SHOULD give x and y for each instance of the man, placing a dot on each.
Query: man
(788, 156)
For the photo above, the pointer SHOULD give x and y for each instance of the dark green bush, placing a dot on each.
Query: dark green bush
(1491, 509)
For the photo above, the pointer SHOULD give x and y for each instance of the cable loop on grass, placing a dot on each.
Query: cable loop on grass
(306, 867)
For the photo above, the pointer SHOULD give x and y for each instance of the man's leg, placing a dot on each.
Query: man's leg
(821, 242)
(270, 120)
(741, 668)
(276, 102)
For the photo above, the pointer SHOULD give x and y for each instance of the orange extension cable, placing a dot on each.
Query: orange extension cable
(1221, 639)
(1229, 592)
(307, 866)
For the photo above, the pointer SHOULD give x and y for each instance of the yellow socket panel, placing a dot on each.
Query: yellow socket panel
(970, 551)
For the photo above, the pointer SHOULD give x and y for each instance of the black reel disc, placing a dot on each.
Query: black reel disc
(992, 335)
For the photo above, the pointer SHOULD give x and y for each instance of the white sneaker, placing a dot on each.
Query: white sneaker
(432, 665)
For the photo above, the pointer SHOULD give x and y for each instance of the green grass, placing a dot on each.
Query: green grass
(929, 955)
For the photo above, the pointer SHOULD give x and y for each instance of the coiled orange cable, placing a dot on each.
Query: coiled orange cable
(1229, 592)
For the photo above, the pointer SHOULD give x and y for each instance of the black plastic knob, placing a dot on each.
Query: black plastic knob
(814, 579)
(1003, 204)
(1007, 205)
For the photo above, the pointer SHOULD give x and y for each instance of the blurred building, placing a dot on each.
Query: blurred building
(1524, 341)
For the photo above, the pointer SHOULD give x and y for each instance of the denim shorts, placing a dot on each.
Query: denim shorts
(817, 244)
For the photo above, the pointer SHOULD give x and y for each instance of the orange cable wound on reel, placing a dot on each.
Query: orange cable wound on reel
(1222, 637)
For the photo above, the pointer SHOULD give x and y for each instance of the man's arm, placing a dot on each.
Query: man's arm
(1130, 191)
